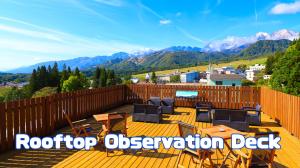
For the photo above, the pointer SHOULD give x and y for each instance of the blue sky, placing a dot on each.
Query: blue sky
(39, 30)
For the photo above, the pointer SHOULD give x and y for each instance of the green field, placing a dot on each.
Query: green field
(204, 67)
(4, 90)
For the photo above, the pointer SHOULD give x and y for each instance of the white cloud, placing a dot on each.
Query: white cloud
(165, 21)
(231, 42)
(44, 42)
(286, 8)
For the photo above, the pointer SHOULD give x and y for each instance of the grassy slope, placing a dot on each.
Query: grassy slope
(4, 90)
(204, 67)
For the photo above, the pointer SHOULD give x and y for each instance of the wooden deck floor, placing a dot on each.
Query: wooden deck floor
(288, 156)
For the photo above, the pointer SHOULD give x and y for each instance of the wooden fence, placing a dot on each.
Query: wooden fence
(219, 96)
(42, 116)
(284, 108)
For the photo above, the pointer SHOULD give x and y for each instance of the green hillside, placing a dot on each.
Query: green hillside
(261, 60)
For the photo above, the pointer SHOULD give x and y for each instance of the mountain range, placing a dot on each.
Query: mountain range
(178, 56)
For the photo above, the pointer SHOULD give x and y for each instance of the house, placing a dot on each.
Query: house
(135, 80)
(251, 74)
(225, 79)
(257, 67)
(267, 77)
(164, 78)
(189, 77)
(229, 70)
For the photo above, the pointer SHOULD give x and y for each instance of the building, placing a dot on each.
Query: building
(257, 67)
(225, 80)
(164, 78)
(251, 74)
(267, 77)
(190, 77)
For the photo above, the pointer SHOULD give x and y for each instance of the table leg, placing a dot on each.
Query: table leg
(228, 153)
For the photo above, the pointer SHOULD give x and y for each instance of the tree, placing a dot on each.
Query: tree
(75, 83)
(153, 77)
(103, 77)
(111, 78)
(242, 67)
(72, 84)
(43, 77)
(77, 72)
(270, 63)
(96, 78)
(14, 94)
(64, 75)
(286, 71)
(175, 79)
(33, 82)
(246, 82)
(54, 80)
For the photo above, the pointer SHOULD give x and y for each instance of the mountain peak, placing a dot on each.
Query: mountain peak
(232, 42)
(182, 48)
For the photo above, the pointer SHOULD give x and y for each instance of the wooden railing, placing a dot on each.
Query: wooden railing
(282, 107)
(42, 116)
(219, 96)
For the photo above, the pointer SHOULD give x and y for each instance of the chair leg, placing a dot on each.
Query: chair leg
(237, 162)
(201, 162)
(178, 159)
(210, 161)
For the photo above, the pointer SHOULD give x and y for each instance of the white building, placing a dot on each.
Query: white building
(251, 74)
(164, 78)
(257, 67)
(267, 77)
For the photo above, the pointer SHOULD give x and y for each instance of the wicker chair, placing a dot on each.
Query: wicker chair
(254, 114)
(203, 112)
(154, 101)
(236, 119)
(239, 120)
(197, 154)
(167, 105)
(139, 112)
(221, 117)
(153, 114)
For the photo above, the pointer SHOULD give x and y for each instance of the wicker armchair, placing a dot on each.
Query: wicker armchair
(167, 105)
(154, 101)
(239, 120)
(139, 112)
(153, 114)
(203, 112)
(254, 114)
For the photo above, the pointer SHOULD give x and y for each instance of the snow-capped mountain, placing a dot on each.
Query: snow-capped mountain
(232, 42)
(141, 53)
(182, 48)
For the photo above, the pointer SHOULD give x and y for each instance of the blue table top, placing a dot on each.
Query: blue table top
(186, 93)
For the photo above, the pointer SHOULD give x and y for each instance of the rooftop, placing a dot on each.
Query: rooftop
(225, 77)
(288, 156)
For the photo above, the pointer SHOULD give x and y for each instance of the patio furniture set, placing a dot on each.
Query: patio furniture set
(153, 110)
(225, 123)
(240, 158)
(237, 119)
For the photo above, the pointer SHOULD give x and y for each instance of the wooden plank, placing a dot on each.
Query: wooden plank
(3, 127)
(10, 122)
